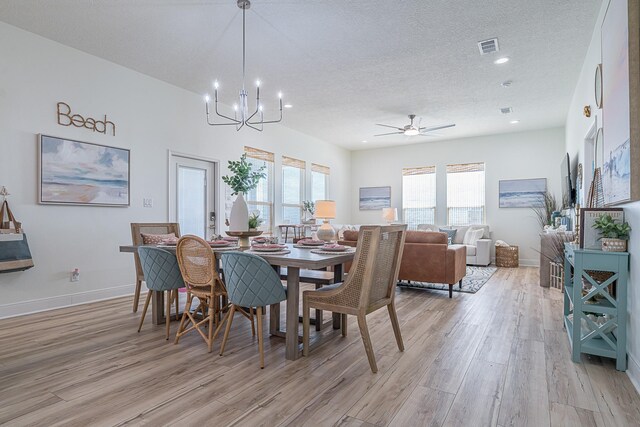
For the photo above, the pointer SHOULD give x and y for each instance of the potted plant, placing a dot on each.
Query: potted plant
(254, 220)
(309, 207)
(243, 178)
(544, 211)
(614, 234)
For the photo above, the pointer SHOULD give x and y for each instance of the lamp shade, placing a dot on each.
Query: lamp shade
(390, 214)
(325, 209)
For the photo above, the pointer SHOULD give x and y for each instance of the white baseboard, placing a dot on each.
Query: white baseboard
(633, 372)
(60, 301)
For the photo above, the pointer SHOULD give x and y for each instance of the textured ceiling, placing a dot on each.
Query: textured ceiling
(345, 65)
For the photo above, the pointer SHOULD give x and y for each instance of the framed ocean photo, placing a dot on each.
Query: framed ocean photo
(374, 198)
(81, 173)
(522, 193)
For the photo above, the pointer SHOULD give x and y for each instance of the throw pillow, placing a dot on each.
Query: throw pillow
(156, 239)
(451, 233)
(472, 236)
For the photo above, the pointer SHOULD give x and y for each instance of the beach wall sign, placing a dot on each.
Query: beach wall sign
(65, 118)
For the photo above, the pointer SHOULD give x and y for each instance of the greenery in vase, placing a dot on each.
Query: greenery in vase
(255, 220)
(243, 178)
(611, 229)
(545, 209)
(309, 206)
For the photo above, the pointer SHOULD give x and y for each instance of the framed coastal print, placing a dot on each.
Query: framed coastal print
(522, 193)
(80, 173)
(616, 164)
(589, 236)
(375, 198)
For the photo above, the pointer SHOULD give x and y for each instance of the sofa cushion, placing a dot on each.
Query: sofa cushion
(426, 237)
(451, 233)
(472, 236)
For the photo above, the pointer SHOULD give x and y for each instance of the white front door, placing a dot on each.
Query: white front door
(192, 198)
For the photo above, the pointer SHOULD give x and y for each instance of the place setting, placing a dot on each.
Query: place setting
(309, 244)
(223, 244)
(333, 249)
(269, 248)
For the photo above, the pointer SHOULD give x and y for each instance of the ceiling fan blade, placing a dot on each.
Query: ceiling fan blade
(390, 133)
(389, 126)
(425, 129)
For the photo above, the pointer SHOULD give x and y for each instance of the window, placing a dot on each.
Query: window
(293, 171)
(261, 198)
(319, 182)
(465, 194)
(419, 196)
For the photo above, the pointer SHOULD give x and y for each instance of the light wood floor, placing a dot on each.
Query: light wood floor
(499, 357)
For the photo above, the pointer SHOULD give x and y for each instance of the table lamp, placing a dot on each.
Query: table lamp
(326, 210)
(390, 215)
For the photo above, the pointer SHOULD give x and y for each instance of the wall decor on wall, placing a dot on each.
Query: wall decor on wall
(589, 236)
(522, 193)
(597, 86)
(82, 173)
(375, 198)
(616, 165)
(65, 118)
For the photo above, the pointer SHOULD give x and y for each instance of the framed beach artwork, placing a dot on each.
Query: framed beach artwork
(81, 173)
(616, 165)
(522, 193)
(375, 198)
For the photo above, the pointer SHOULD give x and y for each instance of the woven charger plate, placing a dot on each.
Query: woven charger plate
(284, 252)
(323, 252)
(226, 248)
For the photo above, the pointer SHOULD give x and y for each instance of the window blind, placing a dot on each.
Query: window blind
(465, 193)
(294, 163)
(255, 153)
(320, 169)
(419, 196)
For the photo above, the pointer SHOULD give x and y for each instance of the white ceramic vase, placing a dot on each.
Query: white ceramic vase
(239, 217)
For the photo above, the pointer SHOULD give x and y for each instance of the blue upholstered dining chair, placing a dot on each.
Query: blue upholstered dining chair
(161, 273)
(251, 282)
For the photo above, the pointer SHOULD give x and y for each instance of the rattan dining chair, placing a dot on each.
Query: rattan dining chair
(251, 282)
(370, 285)
(199, 271)
(161, 274)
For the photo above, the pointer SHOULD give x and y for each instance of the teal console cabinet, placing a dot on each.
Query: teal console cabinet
(608, 338)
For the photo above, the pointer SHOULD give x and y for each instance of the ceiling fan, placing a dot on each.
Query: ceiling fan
(411, 129)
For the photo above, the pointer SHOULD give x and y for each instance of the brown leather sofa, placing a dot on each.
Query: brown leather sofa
(426, 258)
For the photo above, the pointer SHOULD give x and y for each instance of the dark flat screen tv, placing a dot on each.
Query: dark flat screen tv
(568, 190)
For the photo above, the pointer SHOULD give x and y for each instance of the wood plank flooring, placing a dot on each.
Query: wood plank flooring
(497, 357)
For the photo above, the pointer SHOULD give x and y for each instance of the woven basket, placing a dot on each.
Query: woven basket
(507, 256)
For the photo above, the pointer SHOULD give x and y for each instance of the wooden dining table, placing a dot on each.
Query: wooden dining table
(295, 260)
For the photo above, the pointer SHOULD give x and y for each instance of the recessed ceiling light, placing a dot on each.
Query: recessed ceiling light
(514, 122)
(502, 60)
(288, 106)
(364, 141)
(506, 83)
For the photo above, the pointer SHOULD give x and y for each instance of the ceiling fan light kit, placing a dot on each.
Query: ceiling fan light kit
(242, 117)
(411, 129)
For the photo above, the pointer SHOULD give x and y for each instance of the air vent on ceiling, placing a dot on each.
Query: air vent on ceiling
(506, 110)
(488, 46)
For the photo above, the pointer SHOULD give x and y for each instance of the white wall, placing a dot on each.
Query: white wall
(534, 154)
(152, 117)
(577, 127)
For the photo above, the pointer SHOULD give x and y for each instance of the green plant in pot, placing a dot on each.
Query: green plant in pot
(242, 179)
(254, 220)
(614, 235)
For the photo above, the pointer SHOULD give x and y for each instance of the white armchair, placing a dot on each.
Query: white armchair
(478, 251)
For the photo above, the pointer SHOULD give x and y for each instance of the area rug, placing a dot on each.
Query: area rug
(474, 280)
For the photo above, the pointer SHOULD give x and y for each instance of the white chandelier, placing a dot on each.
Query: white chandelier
(241, 115)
